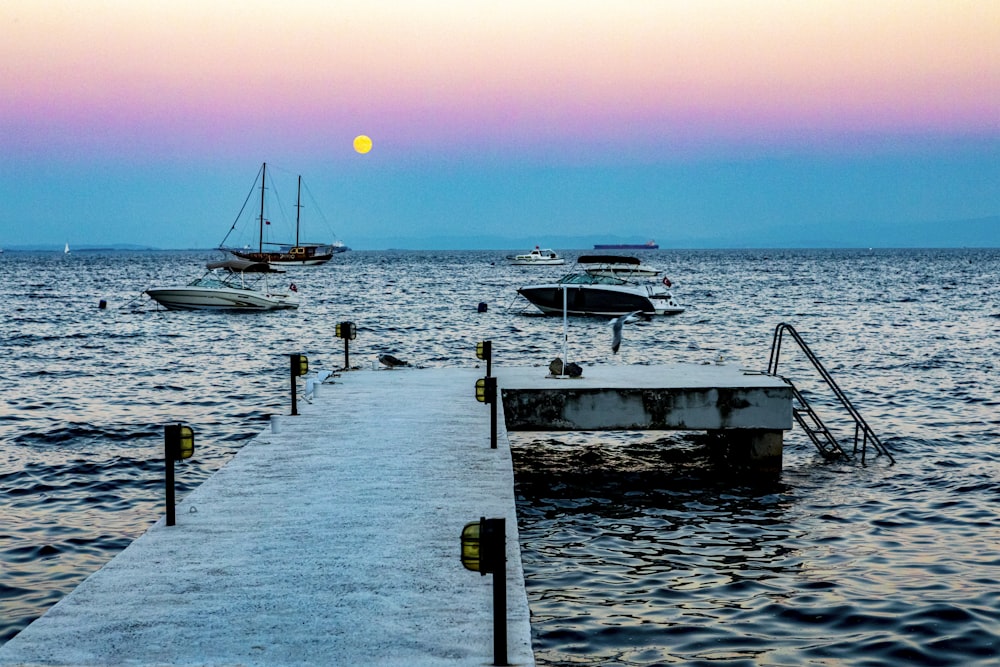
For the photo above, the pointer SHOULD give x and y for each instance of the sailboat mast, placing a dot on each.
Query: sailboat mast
(263, 180)
(298, 211)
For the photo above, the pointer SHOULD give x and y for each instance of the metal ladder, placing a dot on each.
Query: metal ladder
(806, 417)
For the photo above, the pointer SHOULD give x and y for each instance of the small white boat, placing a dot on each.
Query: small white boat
(538, 256)
(232, 284)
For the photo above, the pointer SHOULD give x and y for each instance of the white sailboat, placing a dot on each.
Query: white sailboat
(66, 249)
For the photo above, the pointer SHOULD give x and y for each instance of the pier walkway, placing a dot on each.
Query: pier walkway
(334, 541)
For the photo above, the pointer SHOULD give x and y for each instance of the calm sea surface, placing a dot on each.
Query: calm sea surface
(637, 551)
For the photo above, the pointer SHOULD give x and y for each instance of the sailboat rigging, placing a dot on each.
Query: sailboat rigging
(297, 253)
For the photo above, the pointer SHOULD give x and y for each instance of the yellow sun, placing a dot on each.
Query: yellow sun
(362, 144)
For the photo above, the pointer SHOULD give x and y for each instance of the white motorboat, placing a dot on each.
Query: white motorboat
(617, 266)
(585, 293)
(538, 256)
(232, 284)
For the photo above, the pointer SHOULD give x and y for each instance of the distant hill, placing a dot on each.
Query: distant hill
(970, 233)
(977, 233)
(48, 247)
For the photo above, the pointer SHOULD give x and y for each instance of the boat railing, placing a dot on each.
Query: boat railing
(824, 440)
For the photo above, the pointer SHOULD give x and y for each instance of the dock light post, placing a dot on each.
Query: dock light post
(484, 550)
(178, 444)
(484, 351)
(562, 372)
(299, 366)
(486, 392)
(347, 331)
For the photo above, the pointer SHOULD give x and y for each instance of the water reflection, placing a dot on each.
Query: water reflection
(637, 550)
(635, 541)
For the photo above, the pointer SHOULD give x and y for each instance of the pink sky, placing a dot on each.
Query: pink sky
(436, 75)
(658, 118)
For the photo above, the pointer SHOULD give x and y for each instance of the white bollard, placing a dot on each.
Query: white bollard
(275, 424)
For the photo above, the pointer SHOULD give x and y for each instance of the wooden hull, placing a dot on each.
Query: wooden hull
(284, 258)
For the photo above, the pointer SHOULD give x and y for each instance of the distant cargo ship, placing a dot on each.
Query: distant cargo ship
(648, 245)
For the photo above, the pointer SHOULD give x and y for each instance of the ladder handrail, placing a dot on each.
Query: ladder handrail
(859, 421)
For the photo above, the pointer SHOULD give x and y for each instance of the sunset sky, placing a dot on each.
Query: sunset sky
(719, 120)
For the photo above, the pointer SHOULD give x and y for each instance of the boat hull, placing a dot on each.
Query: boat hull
(605, 300)
(199, 298)
(537, 262)
(284, 258)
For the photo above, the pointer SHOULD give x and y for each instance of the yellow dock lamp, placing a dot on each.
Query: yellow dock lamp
(348, 332)
(299, 367)
(484, 351)
(486, 392)
(178, 444)
(484, 550)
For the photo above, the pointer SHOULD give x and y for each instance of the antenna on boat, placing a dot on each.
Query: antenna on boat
(298, 211)
(565, 356)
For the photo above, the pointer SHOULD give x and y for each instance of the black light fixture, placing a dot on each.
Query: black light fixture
(484, 550)
(348, 331)
(481, 391)
(299, 366)
(484, 351)
(178, 444)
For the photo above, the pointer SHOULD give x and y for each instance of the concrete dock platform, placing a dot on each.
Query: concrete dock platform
(749, 411)
(334, 541)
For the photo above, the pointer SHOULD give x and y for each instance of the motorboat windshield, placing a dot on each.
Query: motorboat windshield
(209, 281)
(590, 279)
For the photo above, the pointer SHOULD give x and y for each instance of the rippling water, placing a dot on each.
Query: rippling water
(637, 549)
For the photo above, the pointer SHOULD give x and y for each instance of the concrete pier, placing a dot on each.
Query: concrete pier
(334, 541)
(332, 538)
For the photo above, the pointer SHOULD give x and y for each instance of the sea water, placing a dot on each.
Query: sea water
(637, 548)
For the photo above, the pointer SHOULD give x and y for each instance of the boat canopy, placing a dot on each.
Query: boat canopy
(607, 259)
(241, 266)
